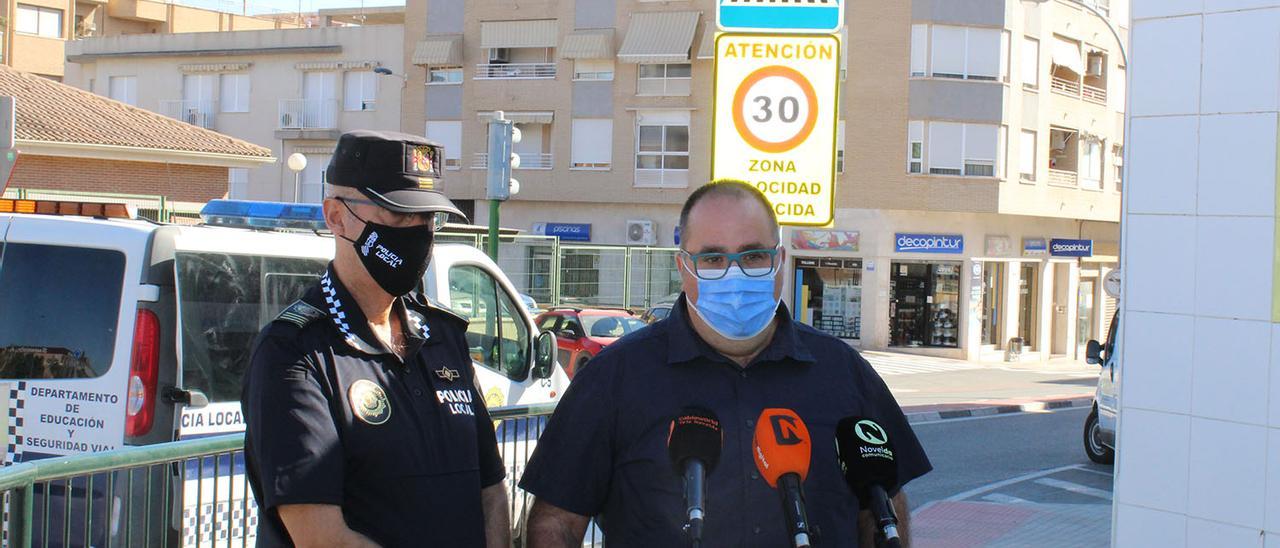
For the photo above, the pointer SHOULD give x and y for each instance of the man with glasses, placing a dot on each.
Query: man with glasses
(730, 346)
(363, 423)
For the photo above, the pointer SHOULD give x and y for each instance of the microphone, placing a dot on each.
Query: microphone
(694, 445)
(782, 450)
(867, 460)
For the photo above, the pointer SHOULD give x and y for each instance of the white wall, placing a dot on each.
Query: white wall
(1199, 432)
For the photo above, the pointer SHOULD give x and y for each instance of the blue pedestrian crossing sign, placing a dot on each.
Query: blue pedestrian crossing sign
(781, 16)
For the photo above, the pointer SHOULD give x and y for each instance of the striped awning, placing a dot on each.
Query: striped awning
(540, 33)
(1066, 53)
(537, 117)
(659, 37)
(588, 44)
(439, 50)
(214, 67)
(337, 65)
(707, 47)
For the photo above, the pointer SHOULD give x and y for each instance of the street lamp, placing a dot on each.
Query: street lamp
(384, 71)
(297, 162)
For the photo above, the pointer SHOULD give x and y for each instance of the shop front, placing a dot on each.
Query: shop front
(827, 283)
(924, 295)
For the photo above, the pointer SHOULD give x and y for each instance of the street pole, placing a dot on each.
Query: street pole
(499, 184)
(8, 154)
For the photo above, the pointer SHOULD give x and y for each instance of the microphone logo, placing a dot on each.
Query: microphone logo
(871, 432)
(786, 431)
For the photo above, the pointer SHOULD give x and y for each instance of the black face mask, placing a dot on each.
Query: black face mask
(395, 257)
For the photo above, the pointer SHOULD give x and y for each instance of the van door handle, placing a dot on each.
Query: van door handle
(194, 399)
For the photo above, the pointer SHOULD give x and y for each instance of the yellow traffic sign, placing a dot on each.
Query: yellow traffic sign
(774, 122)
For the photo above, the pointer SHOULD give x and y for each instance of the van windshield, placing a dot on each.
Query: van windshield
(223, 302)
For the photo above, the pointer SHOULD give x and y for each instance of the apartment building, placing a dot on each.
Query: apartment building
(978, 153)
(292, 90)
(41, 28)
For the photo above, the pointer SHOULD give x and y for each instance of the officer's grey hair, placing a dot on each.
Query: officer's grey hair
(731, 188)
(335, 191)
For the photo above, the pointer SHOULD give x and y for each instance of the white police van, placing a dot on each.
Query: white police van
(1100, 426)
(116, 331)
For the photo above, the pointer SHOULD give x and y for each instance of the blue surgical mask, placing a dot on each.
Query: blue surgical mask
(737, 306)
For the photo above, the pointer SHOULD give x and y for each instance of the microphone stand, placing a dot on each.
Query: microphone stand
(694, 477)
(886, 519)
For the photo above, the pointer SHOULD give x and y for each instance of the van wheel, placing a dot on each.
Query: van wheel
(1093, 445)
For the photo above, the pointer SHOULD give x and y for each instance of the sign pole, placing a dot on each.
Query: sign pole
(8, 154)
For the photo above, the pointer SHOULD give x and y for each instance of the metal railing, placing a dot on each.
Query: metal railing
(1094, 94)
(1059, 177)
(151, 207)
(515, 71)
(1065, 85)
(539, 160)
(308, 114)
(196, 113)
(190, 493)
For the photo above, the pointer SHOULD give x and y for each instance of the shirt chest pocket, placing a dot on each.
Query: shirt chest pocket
(425, 433)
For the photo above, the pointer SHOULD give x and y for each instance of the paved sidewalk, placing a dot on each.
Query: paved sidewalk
(965, 524)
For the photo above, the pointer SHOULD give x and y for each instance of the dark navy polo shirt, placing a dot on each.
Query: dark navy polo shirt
(333, 417)
(604, 452)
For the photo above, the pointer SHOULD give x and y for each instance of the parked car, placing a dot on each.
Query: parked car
(581, 333)
(1100, 427)
(657, 312)
(530, 305)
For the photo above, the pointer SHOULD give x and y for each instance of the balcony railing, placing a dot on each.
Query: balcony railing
(1094, 94)
(1063, 85)
(515, 71)
(542, 160)
(1059, 177)
(308, 114)
(196, 113)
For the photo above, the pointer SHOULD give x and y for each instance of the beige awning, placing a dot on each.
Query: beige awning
(1067, 54)
(539, 33)
(588, 44)
(659, 37)
(707, 47)
(439, 50)
(537, 117)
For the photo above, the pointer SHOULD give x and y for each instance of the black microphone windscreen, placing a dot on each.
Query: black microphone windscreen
(695, 433)
(866, 454)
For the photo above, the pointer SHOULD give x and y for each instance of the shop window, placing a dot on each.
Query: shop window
(1028, 305)
(924, 304)
(829, 295)
(992, 301)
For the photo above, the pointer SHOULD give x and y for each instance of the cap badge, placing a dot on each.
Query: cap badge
(448, 374)
(421, 160)
(369, 402)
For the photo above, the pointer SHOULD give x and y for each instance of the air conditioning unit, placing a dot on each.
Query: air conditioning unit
(641, 232)
(499, 55)
(368, 105)
(1095, 66)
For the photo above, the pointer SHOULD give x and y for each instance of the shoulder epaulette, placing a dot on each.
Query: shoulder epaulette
(300, 314)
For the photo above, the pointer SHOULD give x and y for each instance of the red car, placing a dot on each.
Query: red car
(583, 332)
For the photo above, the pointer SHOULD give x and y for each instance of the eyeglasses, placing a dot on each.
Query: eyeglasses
(437, 219)
(755, 263)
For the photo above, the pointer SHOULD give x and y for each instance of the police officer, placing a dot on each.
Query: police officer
(364, 427)
(731, 347)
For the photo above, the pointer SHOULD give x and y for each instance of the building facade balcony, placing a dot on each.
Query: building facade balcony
(515, 71)
(541, 160)
(195, 112)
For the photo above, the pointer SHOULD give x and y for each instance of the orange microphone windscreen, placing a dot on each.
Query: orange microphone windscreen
(781, 446)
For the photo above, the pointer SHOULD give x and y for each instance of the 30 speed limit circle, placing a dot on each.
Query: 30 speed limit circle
(774, 109)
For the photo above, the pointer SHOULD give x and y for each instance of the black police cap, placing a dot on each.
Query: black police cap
(398, 171)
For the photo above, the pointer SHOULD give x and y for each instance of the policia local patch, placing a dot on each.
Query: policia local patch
(369, 402)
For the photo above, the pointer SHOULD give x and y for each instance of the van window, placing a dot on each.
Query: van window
(497, 335)
(58, 310)
(223, 302)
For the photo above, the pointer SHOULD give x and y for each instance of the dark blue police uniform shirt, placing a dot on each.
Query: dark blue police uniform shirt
(332, 417)
(604, 452)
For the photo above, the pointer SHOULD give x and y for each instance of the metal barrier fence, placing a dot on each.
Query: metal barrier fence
(191, 493)
(152, 207)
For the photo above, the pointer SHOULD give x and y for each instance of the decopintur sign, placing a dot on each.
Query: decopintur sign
(774, 123)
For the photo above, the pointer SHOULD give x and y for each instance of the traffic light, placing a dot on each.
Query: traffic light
(502, 135)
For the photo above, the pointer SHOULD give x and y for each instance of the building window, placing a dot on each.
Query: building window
(449, 135)
(124, 89)
(1030, 63)
(664, 79)
(969, 150)
(840, 147)
(444, 75)
(1027, 156)
(915, 147)
(968, 53)
(593, 69)
(46, 22)
(592, 142)
(313, 178)
(662, 150)
(234, 94)
(237, 183)
(360, 91)
(1091, 170)
(919, 49)
(1118, 163)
